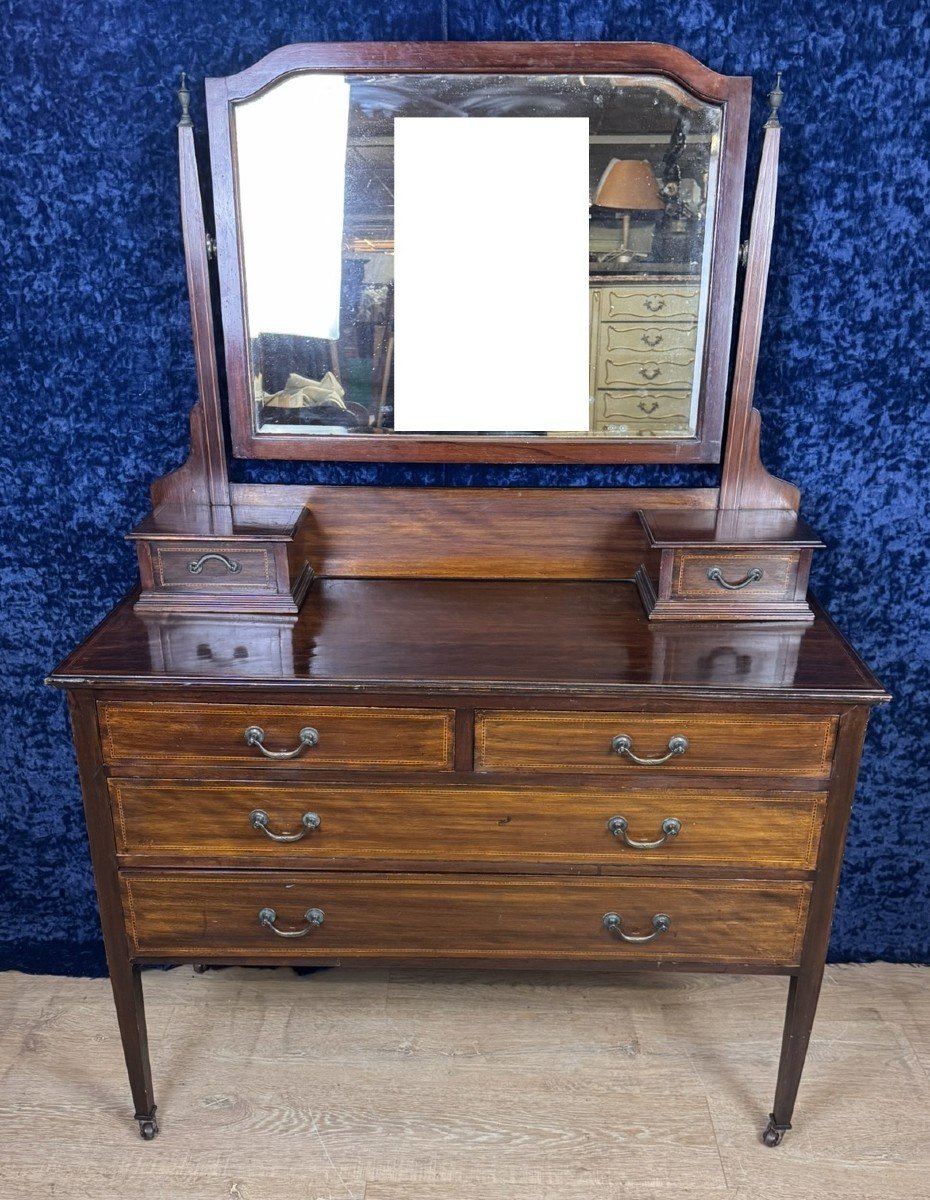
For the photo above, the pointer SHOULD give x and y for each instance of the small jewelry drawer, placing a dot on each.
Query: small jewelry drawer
(281, 736)
(308, 916)
(712, 575)
(305, 825)
(194, 567)
(671, 742)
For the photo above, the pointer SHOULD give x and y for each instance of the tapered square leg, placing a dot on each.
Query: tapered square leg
(126, 982)
(803, 993)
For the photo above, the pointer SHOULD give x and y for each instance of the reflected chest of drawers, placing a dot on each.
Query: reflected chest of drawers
(423, 779)
(644, 339)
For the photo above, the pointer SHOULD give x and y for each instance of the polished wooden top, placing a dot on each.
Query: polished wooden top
(400, 635)
(757, 529)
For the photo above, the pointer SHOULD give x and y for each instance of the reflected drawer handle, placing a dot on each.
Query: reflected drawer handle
(258, 819)
(232, 565)
(654, 303)
(716, 576)
(624, 745)
(652, 340)
(313, 916)
(255, 736)
(650, 371)
(671, 827)
(613, 923)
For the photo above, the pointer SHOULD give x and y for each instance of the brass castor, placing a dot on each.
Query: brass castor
(774, 1132)
(200, 968)
(148, 1126)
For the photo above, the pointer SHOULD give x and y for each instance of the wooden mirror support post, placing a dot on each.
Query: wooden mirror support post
(198, 551)
(749, 558)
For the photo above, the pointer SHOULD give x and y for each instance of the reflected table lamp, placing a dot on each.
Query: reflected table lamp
(628, 186)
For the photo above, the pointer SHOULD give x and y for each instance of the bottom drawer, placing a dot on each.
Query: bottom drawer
(332, 915)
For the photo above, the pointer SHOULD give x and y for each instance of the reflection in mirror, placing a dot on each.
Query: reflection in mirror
(319, 206)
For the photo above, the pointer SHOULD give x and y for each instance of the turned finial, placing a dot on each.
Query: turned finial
(776, 95)
(184, 99)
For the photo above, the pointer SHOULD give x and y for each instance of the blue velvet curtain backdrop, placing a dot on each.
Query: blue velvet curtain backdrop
(98, 371)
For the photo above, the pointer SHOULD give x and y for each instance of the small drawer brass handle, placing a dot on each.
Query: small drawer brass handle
(652, 339)
(650, 371)
(313, 916)
(232, 565)
(255, 736)
(624, 745)
(654, 303)
(613, 923)
(716, 576)
(671, 827)
(258, 819)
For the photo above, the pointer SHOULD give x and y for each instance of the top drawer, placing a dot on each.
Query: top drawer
(681, 742)
(271, 735)
(643, 302)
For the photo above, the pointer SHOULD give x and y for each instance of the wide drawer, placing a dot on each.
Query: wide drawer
(363, 738)
(230, 915)
(323, 823)
(730, 743)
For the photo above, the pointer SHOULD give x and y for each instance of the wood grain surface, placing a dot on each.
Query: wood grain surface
(470, 635)
(357, 1085)
(155, 819)
(793, 744)
(370, 738)
(397, 916)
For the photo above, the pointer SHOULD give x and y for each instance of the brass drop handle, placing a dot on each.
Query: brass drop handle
(613, 923)
(654, 303)
(232, 565)
(650, 371)
(652, 339)
(313, 916)
(716, 576)
(255, 736)
(258, 819)
(623, 745)
(671, 827)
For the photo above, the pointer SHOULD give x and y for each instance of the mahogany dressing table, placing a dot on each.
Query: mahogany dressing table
(573, 728)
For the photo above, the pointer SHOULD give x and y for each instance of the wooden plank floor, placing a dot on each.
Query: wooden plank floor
(465, 1086)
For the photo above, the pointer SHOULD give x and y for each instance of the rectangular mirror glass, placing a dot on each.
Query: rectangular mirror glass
(562, 292)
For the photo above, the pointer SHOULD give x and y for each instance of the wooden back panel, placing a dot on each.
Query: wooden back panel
(474, 533)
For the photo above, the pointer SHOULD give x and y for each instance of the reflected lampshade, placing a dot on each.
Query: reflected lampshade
(629, 184)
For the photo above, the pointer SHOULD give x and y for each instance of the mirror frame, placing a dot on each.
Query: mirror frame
(731, 93)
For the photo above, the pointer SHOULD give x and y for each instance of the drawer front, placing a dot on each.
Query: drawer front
(644, 412)
(363, 738)
(749, 575)
(645, 302)
(414, 916)
(732, 744)
(197, 567)
(779, 830)
(649, 339)
(623, 370)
